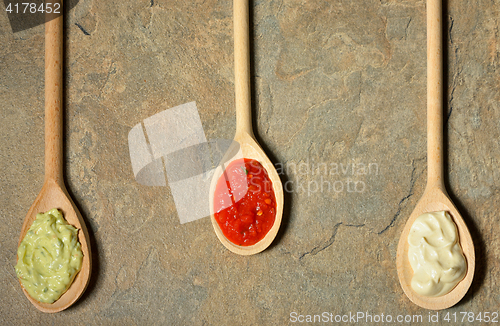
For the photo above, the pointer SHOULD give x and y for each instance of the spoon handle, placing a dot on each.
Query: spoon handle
(53, 98)
(242, 67)
(434, 94)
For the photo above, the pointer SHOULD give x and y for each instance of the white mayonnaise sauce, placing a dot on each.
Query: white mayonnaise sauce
(435, 254)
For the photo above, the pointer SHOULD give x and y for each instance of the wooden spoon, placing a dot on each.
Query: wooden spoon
(54, 193)
(244, 136)
(435, 197)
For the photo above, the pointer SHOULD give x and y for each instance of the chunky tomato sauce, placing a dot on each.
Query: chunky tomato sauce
(244, 202)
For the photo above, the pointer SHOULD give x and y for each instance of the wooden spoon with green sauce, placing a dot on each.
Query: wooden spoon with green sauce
(435, 197)
(244, 136)
(54, 193)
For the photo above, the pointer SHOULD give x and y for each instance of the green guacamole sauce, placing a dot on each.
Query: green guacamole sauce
(49, 257)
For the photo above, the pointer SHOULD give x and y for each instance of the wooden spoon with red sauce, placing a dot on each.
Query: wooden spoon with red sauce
(244, 141)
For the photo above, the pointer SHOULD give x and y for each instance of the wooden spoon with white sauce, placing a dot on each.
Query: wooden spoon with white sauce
(54, 193)
(435, 197)
(244, 136)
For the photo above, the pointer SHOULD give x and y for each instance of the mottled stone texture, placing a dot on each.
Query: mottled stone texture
(336, 83)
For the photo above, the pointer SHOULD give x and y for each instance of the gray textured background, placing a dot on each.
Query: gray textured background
(335, 82)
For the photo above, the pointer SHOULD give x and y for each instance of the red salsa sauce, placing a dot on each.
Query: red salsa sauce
(244, 202)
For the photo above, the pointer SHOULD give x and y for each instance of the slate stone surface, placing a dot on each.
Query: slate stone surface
(339, 105)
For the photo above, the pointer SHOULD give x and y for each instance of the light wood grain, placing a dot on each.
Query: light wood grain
(54, 193)
(244, 137)
(435, 197)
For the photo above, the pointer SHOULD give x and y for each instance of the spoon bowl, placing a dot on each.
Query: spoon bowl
(435, 197)
(434, 200)
(51, 196)
(54, 193)
(245, 145)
